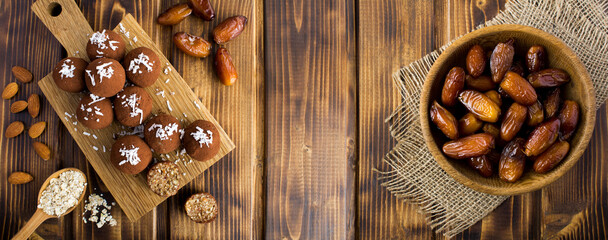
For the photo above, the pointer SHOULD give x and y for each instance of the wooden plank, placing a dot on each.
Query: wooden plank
(311, 119)
(575, 206)
(131, 192)
(236, 180)
(105, 14)
(23, 43)
(391, 35)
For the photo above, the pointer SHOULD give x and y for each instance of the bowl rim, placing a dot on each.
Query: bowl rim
(550, 177)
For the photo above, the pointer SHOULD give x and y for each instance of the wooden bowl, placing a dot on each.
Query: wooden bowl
(579, 89)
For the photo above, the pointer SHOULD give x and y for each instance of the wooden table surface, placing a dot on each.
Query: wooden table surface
(307, 117)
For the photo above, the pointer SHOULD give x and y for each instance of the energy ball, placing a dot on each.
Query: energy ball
(132, 106)
(95, 112)
(163, 133)
(105, 77)
(163, 178)
(130, 154)
(142, 66)
(201, 208)
(105, 44)
(201, 140)
(68, 74)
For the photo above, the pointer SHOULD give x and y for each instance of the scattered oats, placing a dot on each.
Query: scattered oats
(62, 193)
(99, 216)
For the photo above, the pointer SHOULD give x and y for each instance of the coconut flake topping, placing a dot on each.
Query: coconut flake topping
(130, 155)
(132, 102)
(67, 70)
(142, 59)
(163, 133)
(203, 137)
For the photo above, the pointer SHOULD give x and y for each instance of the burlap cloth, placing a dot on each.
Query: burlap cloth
(414, 176)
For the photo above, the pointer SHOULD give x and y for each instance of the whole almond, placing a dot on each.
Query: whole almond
(33, 105)
(10, 90)
(18, 106)
(37, 129)
(22, 74)
(20, 178)
(14, 129)
(42, 150)
(229, 29)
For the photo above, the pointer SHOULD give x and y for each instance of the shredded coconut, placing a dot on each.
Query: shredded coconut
(203, 137)
(196, 104)
(130, 154)
(99, 39)
(67, 70)
(62, 193)
(163, 133)
(142, 59)
(169, 106)
(132, 102)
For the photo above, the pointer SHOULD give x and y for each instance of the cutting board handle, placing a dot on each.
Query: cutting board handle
(67, 23)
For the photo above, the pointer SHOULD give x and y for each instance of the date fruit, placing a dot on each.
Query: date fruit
(202, 9)
(481, 105)
(513, 121)
(476, 61)
(470, 146)
(445, 121)
(482, 164)
(469, 124)
(495, 96)
(550, 158)
(192, 45)
(174, 15)
(224, 67)
(518, 89)
(550, 77)
(491, 129)
(501, 60)
(551, 104)
(454, 82)
(569, 119)
(229, 29)
(512, 161)
(518, 68)
(536, 58)
(536, 114)
(542, 137)
(482, 83)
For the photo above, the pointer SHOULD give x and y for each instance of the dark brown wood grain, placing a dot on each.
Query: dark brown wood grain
(311, 119)
(307, 116)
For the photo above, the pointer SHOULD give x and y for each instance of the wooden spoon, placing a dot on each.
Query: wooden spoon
(40, 216)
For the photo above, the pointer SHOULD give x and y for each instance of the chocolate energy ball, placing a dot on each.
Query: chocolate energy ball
(142, 66)
(68, 74)
(201, 208)
(163, 133)
(130, 154)
(201, 140)
(105, 77)
(95, 112)
(132, 106)
(105, 44)
(163, 178)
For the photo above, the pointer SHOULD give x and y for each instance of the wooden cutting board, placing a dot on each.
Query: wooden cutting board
(170, 94)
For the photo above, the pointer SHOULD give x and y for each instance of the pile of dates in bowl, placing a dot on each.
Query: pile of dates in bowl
(506, 114)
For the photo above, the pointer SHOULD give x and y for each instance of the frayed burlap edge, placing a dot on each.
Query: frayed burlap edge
(415, 177)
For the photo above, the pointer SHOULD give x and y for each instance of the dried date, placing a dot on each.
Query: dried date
(513, 121)
(501, 60)
(174, 15)
(482, 164)
(552, 102)
(469, 124)
(476, 61)
(569, 119)
(482, 83)
(470, 146)
(495, 96)
(535, 114)
(519, 89)
(481, 105)
(512, 161)
(551, 77)
(542, 137)
(536, 58)
(454, 83)
(550, 158)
